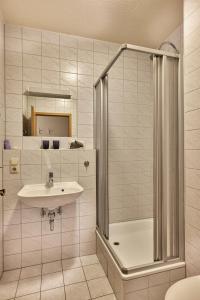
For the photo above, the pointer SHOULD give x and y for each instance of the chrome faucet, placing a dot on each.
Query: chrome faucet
(50, 180)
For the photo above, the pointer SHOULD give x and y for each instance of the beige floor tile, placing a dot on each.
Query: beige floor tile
(10, 276)
(35, 296)
(8, 290)
(32, 271)
(99, 287)
(52, 267)
(73, 276)
(78, 291)
(93, 271)
(29, 286)
(89, 260)
(51, 281)
(71, 263)
(107, 297)
(54, 294)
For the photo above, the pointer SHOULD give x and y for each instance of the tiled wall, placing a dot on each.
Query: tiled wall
(27, 237)
(130, 136)
(2, 129)
(44, 59)
(192, 133)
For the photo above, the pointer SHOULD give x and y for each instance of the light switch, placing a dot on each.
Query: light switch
(14, 165)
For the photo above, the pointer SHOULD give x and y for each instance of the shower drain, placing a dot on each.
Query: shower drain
(116, 243)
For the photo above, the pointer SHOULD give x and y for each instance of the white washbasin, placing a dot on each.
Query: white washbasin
(60, 194)
(186, 289)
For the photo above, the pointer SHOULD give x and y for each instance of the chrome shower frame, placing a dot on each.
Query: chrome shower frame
(160, 254)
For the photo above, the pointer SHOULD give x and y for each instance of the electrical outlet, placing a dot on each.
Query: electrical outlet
(14, 169)
(14, 165)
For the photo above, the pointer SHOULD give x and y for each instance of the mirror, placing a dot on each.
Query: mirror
(49, 114)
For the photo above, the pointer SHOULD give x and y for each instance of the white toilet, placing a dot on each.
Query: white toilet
(186, 289)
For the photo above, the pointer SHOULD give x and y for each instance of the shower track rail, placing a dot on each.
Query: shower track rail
(138, 49)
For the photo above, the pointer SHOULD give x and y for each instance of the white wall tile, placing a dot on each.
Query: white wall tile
(31, 229)
(68, 53)
(13, 58)
(191, 123)
(33, 156)
(31, 34)
(12, 232)
(13, 44)
(85, 81)
(69, 66)
(30, 172)
(68, 40)
(50, 77)
(85, 56)
(85, 68)
(14, 86)
(13, 115)
(50, 63)
(85, 44)
(31, 47)
(50, 37)
(12, 261)
(69, 79)
(100, 58)
(13, 72)
(50, 50)
(70, 251)
(31, 61)
(101, 46)
(30, 215)
(50, 255)
(30, 74)
(31, 258)
(31, 244)
(12, 247)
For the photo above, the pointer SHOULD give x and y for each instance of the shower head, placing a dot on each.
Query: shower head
(169, 44)
(165, 43)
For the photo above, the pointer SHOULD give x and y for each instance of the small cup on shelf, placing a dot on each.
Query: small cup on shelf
(45, 144)
(56, 144)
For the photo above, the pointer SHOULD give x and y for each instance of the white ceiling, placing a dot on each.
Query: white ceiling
(142, 22)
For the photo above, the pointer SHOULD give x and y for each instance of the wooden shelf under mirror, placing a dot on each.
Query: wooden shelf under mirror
(62, 128)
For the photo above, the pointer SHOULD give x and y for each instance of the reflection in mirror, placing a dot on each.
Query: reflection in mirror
(46, 114)
(50, 124)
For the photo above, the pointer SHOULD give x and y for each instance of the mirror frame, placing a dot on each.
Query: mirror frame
(35, 114)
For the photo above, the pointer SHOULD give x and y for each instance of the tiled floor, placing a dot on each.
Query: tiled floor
(71, 279)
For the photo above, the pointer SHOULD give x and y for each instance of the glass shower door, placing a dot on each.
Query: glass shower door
(130, 158)
(100, 133)
(138, 137)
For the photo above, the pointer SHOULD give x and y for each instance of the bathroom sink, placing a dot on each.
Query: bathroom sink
(186, 289)
(60, 194)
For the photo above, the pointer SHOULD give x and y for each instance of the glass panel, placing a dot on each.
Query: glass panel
(130, 158)
(97, 134)
(170, 158)
(100, 110)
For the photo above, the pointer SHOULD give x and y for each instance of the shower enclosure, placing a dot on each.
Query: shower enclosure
(139, 142)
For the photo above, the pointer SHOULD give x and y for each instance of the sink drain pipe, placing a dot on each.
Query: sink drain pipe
(51, 213)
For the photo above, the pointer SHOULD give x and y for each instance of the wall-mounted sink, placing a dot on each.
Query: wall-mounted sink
(60, 194)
